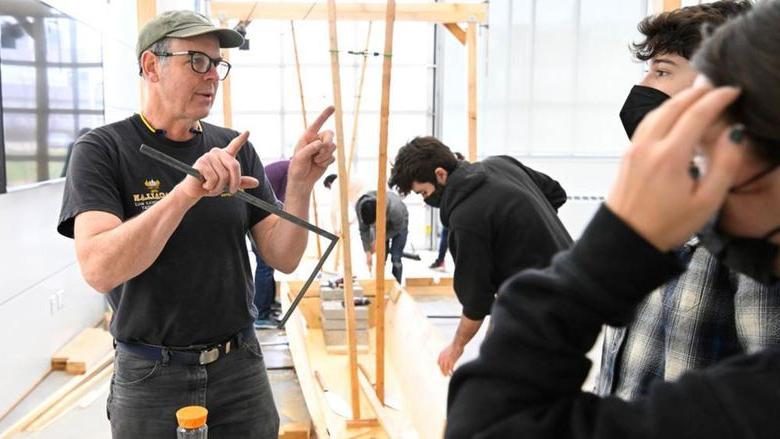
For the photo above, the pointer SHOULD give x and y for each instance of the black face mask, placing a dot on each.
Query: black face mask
(753, 257)
(434, 199)
(640, 101)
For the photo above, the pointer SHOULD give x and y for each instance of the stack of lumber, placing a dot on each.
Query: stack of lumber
(89, 357)
(83, 351)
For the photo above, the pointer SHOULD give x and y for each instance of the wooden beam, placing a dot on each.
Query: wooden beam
(353, 143)
(381, 202)
(456, 31)
(349, 303)
(305, 125)
(145, 10)
(671, 5)
(227, 96)
(471, 47)
(425, 12)
(419, 384)
(56, 397)
(69, 401)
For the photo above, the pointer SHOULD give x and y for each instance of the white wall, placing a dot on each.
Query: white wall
(44, 301)
(552, 78)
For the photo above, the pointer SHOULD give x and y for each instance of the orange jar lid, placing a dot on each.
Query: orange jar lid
(193, 416)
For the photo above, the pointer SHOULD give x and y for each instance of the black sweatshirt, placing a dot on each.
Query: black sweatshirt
(526, 381)
(502, 219)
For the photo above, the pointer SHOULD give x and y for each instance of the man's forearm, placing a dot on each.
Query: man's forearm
(114, 256)
(467, 329)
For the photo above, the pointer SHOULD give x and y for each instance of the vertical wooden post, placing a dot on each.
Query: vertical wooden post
(305, 126)
(145, 10)
(381, 202)
(353, 143)
(227, 97)
(471, 47)
(670, 5)
(349, 303)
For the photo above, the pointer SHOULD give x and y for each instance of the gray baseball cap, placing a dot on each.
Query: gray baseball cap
(183, 24)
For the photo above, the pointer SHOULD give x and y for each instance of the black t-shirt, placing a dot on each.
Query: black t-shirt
(199, 290)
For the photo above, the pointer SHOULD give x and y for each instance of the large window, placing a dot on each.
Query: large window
(265, 91)
(51, 71)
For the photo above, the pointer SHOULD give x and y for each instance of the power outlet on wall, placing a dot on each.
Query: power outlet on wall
(56, 302)
(52, 304)
(60, 299)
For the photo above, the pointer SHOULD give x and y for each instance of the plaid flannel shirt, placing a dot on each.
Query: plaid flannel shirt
(707, 314)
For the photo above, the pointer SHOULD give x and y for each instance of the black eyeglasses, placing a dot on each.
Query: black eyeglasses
(201, 63)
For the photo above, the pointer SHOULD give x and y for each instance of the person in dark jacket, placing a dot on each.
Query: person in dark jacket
(501, 217)
(396, 230)
(527, 379)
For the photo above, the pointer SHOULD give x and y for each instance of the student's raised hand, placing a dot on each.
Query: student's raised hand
(654, 192)
(313, 153)
(221, 171)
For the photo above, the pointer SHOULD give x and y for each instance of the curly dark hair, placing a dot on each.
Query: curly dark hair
(679, 32)
(417, 160)
(746, 53)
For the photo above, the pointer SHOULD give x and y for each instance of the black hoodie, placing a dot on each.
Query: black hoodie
(502, 219)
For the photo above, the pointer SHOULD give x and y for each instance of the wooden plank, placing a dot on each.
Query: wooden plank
(65, 404)
(145, 10)
(381, 201)
(82, 351)
(27, 393)
(305, 125)
(343, 185)
(671, 5)
(428, 281)
(308, 351)
(55, 397)
(295, 431)
(424, 12)
(295, 334)
(393, 422)
(456, 31)
(421, 386)
(353, 143)
(227, 95)
(471, 47)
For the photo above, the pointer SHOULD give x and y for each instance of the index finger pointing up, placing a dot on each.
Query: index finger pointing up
(314, 128)
(235, 145)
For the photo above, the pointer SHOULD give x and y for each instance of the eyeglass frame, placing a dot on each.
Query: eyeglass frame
(213, 62)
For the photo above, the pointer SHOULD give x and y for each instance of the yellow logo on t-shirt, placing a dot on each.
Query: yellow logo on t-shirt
(152, 185)
(153, 194)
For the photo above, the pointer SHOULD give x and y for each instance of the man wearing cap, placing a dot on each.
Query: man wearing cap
(170, 250)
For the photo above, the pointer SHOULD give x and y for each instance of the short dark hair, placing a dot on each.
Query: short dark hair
(417, 160)
(329, 180)
(368, 211)
(745, 52)
(679, 32)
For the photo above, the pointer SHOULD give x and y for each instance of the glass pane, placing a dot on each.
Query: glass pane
(48, 93)
(254, 88)
(18, 86)
(264, 132)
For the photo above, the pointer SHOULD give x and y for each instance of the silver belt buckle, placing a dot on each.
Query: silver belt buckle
(209, 356)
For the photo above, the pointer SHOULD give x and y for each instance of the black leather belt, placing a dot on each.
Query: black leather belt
(201, 357)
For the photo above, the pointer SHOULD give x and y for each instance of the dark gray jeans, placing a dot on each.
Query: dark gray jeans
(145, 395)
